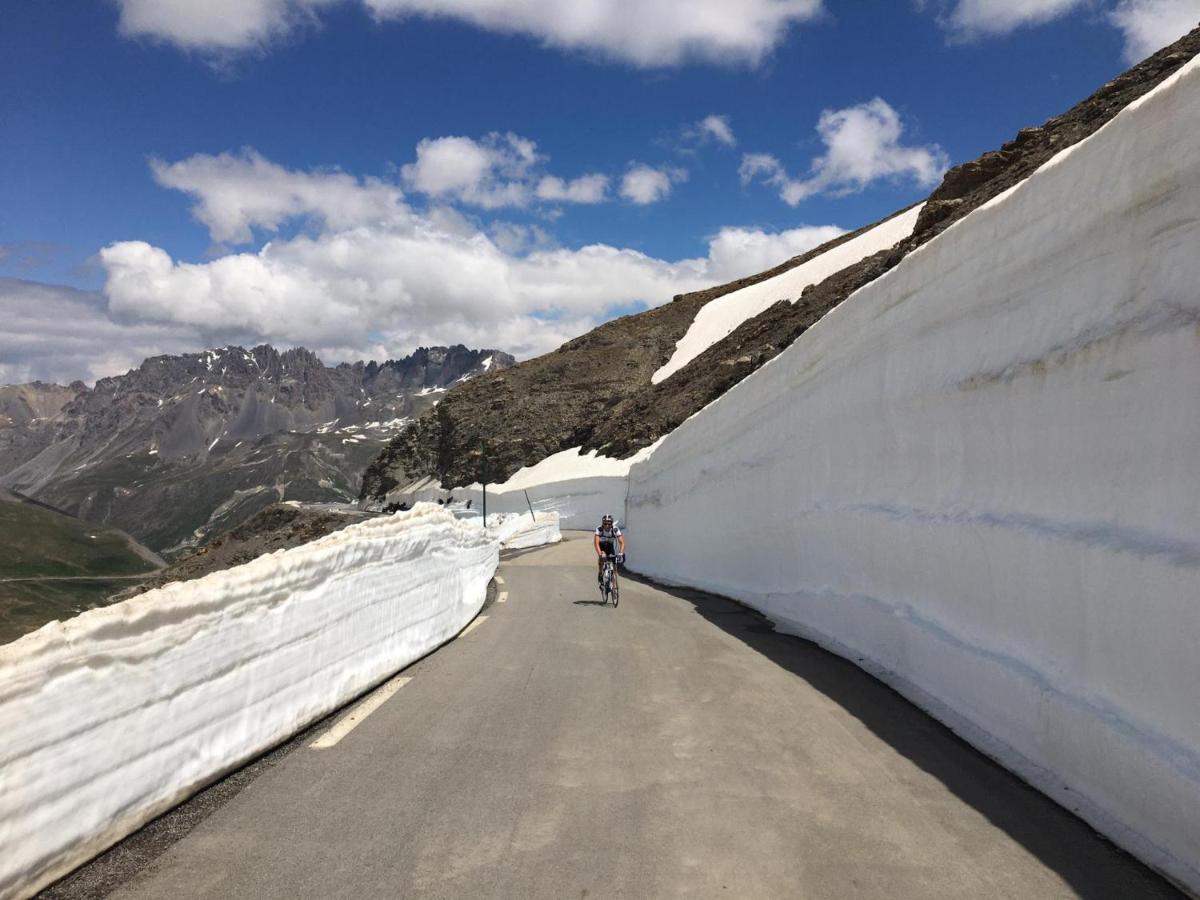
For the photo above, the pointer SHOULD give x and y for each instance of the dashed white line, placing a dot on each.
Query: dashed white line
(354, 718)
(503, 598)
(479, 620)
(499, 580)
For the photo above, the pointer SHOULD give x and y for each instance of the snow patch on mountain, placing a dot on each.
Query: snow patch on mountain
(721, 316)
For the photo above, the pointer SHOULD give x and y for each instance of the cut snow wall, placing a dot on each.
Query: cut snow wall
(978, 478)
(518, 531)
(112, 717)
(578, 487)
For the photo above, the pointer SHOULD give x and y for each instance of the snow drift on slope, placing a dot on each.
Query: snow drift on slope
(976, 477)
(719, 317)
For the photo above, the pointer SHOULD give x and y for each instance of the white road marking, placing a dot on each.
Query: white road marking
(479, 620)
(499, 580)
(503, 598)
(354, 718)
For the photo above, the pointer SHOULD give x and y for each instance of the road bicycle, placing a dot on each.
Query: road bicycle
(609, 589)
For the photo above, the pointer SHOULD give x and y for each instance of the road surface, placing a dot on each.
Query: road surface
(673, 746)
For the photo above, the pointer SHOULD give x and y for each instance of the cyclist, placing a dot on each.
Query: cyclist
(606, 541)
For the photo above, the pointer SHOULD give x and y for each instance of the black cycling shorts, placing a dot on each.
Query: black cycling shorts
(608, 549)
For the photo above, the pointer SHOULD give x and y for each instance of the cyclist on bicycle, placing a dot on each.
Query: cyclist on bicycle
(607, 540)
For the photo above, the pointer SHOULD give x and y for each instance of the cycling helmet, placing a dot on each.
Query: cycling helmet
(606, 519)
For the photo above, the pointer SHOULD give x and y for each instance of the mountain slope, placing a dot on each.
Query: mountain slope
(54, 566)
(562, 400)
(184, 447)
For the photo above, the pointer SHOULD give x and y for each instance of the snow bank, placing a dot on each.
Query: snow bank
(719, 317)
(579, 487)
(114, 716)
(520, 531)
(977, 478)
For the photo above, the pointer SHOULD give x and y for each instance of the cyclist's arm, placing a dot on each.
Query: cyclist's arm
(596, 543)
(621, 538)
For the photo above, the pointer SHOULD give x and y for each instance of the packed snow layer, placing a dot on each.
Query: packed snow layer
(521, 531)
(579, 487)
(116, 715)
(721, 316)
(978, 479)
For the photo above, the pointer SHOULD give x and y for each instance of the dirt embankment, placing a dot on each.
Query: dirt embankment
(595, 391)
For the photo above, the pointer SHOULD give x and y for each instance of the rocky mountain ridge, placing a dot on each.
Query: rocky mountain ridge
(183, 447)
(596, 391)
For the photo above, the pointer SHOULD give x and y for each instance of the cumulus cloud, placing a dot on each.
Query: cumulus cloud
(1149, 25)
(644, 184)
(584, 189)
(501, 170)
(428, 276)
(736, 252)
(709, 129)
(238, 192)
(862, 145)
(490, 173)
(648, 33)
(973, 19)
(59, 334)
(216, 26)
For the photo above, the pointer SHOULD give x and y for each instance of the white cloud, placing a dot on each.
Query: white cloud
(59, 334)
(584, 189)
(644, 184)
(490, 173)
(711, 128)
(238, 192)
(424, 277)
(650, 33)
(736, 252)
(216, 25)
(974, 19)
(1149, 25)
(501, 170)
(862, 145)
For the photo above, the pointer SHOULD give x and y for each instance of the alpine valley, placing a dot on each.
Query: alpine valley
(186, 447)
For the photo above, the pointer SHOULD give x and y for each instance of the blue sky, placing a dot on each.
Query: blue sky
(362, 176)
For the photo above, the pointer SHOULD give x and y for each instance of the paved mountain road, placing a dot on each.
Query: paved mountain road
(674, 746)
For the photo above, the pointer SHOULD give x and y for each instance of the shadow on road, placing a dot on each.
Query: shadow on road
(1090, 864)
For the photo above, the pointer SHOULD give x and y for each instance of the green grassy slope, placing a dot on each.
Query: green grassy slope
(43, 548)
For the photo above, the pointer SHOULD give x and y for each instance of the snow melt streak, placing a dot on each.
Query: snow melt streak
(978, 478)
(116, 715)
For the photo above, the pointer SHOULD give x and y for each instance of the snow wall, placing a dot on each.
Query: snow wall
(520, 531)
(578, 487)
(112, 717)
(977, 478)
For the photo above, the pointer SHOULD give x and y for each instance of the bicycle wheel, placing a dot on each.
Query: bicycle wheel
(616, 595)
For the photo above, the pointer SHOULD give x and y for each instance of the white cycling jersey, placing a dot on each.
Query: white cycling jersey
(608, 535)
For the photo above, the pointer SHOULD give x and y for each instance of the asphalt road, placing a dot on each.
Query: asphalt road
(673, 746)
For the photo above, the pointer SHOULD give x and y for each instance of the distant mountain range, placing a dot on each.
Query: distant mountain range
(184, 447)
